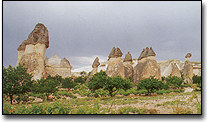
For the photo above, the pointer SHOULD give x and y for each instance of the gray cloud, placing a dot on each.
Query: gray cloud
(85, 29)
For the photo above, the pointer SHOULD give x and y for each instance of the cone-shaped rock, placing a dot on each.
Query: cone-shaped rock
(142, 55)
(128, 57)
(115, 52)
(188, 55)
(96, 63)
(151, 52)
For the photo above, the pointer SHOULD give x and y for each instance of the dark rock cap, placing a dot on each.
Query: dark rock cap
(38, 35)
(115, 52)
(128, 57)
(188, 55)
(146, 52)
(96, 63)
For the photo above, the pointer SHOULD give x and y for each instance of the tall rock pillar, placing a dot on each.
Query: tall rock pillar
(31, 52)
(95, 65)
(188, 69)
(147, 66)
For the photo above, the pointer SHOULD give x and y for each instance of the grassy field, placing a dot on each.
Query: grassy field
(69, 103)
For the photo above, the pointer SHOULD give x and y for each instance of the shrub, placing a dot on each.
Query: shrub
(112, 85)
(150, 85)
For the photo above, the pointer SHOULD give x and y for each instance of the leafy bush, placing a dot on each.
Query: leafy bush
(64, 93)
(197, 80)
(82, 90)
(150, 85)
(173, 81)
(68, 83)
(47, 86)
(80, 79)
(112, 85)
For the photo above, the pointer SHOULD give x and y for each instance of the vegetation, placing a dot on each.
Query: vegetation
(150, 85)
(46, 86)
(102, 95)
(173, 81)
(16, 81)
(68, 83)
(112, 85)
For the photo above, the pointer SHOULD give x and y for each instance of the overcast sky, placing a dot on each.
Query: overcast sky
(80, 31)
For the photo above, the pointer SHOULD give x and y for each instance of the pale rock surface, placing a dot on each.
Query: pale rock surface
(31, 52)
(57, 66)
(147, 66)
(188, 69)
(128, 68)
(95, 65)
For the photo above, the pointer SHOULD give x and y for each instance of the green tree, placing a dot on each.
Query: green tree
(197, 80)
(80, 79)
(150, 85)
(16, 81)
(68, 83)
(45, 86)
(101, 80)
(173, 81)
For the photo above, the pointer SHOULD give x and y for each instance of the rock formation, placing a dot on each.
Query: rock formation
(188, 69)
(147, 66)
(115, 65)
(31, 52)
(57, 66)
(128, 68)
(95, 65)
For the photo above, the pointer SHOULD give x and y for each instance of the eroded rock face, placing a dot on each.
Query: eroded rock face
(188, 72)
(128, 57)
(31, 52)
(175, 70)
(57, 66)
(128, 68)
(115, 53)
(147, 66)
(95, 65)
(115, 64)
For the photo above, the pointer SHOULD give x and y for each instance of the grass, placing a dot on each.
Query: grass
(107, 105)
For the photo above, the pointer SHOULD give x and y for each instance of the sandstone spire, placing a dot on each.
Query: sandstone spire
(31, 52)
(151, 52)
(146, 67)
(128, 57)
(115, 52)
(188, 69)
(96, 63)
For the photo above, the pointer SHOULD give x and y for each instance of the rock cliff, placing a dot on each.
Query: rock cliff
(147, 66)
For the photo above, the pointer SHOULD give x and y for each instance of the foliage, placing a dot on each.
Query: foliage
(46, 86)
(82, 90)
(80, 79)
(64, 93)
(68, 83)
(197, 80)
(16, 81)
(150, 85)
(173, 81)
(112, 85)
(52, 108)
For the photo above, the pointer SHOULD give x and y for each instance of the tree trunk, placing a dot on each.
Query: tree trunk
(111, 94)
(47, 97)
(11, 98)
